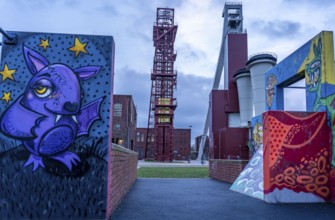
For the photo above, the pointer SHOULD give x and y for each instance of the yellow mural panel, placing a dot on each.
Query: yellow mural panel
(327, 59)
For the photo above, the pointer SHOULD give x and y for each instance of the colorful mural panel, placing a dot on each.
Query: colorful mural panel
(314, 61)
(256, 133)
(250, 181)
(297, 153)
(54, 125)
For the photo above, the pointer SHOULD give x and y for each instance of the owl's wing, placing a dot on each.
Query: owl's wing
(88, 114)
(18, 121)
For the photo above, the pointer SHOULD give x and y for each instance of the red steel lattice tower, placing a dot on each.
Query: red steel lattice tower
(159, 141)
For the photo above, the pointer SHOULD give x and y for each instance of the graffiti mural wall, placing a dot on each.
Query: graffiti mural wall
(314, 62)
(298, 147)
(297, 150)
(55, 102)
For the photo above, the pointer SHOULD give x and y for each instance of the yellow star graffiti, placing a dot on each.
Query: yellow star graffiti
(6, 96)
(78, 47)
(7, 73)
(44, 43)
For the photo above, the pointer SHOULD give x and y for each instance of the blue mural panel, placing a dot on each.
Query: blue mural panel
(283, 74)
(55, 103)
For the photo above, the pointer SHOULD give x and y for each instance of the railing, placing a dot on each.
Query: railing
(262, 53)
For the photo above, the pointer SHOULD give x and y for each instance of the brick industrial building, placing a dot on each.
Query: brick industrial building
(124, 121)
(182, 143)
(228, 134)
(126, 133)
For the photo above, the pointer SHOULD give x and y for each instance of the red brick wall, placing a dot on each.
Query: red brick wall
(124, 174)
(233, 143)
(226, 170)
(182, 143)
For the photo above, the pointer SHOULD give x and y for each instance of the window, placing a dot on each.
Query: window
(117, 126)
(164, 101)
(164, 119)
(118, 109)
(163, 110)
(295, 96)
(138, 136)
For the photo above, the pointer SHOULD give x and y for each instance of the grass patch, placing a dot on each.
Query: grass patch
(172, 172)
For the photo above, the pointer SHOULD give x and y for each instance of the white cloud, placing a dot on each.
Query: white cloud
(199, 37)
(200, 26)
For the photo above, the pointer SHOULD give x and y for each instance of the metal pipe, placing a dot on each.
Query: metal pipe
(6, 34)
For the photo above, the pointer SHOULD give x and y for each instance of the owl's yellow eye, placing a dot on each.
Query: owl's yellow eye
(41, 90)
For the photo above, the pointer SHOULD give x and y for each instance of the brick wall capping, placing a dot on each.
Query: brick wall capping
(229, 160)
(119, 148)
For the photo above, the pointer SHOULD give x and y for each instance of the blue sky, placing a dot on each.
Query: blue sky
(279, 26)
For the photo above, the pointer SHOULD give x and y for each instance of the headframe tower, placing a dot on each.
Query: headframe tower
(159, 141)
(229, 59)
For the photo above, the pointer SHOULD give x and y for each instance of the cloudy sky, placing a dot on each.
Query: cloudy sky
(279, 26)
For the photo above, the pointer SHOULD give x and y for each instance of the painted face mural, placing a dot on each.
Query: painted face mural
(55, 98)
(52, 110)
(323, 90)
(313, 69)
(271, 82)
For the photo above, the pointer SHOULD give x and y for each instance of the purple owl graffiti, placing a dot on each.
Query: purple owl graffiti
(49, 115)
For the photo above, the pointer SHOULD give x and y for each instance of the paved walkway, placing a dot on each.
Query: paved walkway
(207, 199)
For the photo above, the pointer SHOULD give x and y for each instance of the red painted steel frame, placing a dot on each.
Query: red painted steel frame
(164, 81)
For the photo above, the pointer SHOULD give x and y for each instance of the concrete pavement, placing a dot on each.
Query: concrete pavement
(193, 199)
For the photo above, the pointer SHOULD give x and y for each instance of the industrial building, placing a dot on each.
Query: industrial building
(126, 133)
(228, 134)
(181, 140)
(292, 151)
(124, 121)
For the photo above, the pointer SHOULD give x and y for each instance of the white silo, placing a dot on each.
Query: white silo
(258, 64)
(244, 90)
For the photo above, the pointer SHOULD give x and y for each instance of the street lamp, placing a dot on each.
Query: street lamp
(189, 154)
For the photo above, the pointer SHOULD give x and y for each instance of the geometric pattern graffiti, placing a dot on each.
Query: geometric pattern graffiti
(297, 150)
